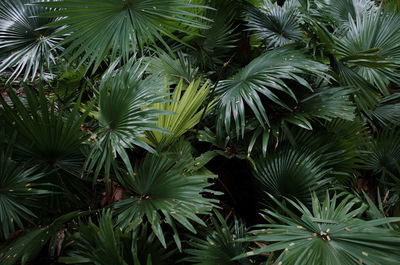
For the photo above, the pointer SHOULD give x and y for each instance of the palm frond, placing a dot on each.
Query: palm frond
(186, 104)
(261, 78)
(105, 244)
(345, 154)
(174, 67)
(47, 135)
(16, 184)
(97, 244)
(338, 12)
(25, 46)
(387, 112)
(329, 234)
(275, 25)
(325, 103)
(371, 46)
(216, 44)
(365, 97)
(339, 145)
(161, 190)
(292, 174)
(28, 246)
(384, 156)
(99, 28)
(124, 115)
(219, 245)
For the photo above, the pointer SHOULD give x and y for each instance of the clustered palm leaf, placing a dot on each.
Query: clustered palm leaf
(163, 189)
(219, 246)
(17, 183)
(26, 47)
(124, 115)
(146, 132)
(332, 228)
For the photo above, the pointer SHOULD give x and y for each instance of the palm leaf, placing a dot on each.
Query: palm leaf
(25, 46)
(338, 12)
(98, 28)
(124, 115)
(47, 136)
(262, 77)
(219, 245)
(384, 153)
(97, 244)
(371, 46)
(216, 44)
(387, 112)
(329, 234)
(275, 25)
(186, 103)
(27, 246)
(325, 103)
(292, 174)
(16, 185)
(105, 244)
(174, 67)
(161, 189)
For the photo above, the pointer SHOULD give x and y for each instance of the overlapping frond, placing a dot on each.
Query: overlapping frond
(119, 28)
(330, 234)
(260, 81)
(162, 190)
(26, 47)
(276, 25)
(124, 115)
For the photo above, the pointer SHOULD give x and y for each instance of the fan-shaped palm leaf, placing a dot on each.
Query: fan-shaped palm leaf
(16, 185)
(220, 245)
(46, 135)
(186, 103)
(106, 244)
(27, 246)
(161, 189)
(276, 25)
(329, 234)
(372, 47)
(387, 112)
(98, 28)
(338, 12)
(174, 67)
(338, 145)
(215, 45)
(325, 103)
(291, 173)
(124, 114)
(384, 156)
(25, 46)
(260, 78)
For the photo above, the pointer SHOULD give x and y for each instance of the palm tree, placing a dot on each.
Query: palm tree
(199, 132)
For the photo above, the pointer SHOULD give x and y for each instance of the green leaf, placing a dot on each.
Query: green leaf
(124, 115)
(291, 173)
(276, 25)
(161, 188)
(259, 80)
(25, 46)
(329, 234)
(98, 28)
(371, 46)
(46, 136)
(218, 243)
(186, 105)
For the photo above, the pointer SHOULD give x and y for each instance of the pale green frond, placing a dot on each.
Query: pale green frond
(186, 104)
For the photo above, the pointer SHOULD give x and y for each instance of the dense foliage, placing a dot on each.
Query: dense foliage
(146, 132)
